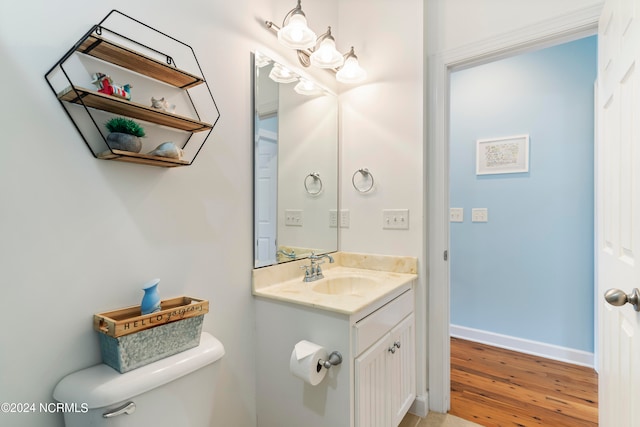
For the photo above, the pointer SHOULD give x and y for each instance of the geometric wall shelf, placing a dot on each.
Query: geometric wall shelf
(144, 59)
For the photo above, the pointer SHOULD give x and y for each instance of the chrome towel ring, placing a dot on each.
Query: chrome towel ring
(366, 175)
(316, 177)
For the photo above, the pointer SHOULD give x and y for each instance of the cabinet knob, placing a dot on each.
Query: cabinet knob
(397, 344)
(392, 349)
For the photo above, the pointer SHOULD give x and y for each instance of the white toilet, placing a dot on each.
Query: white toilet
(175, 391)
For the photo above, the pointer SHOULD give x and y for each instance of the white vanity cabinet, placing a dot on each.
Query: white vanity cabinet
(384, 373)
(374, 385)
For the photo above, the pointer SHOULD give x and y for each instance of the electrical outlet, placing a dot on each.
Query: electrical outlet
(395, 219)
(344, 218)
(456, 214)
(293, 217)
(479, 215)
(333, 218)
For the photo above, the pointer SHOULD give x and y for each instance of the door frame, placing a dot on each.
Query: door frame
(578, 24)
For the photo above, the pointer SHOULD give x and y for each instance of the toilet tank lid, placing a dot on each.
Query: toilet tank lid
(101, 385)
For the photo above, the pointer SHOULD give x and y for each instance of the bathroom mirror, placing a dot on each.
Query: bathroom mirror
(295, 165)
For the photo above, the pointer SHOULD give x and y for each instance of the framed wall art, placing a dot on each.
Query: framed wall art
(502, 155)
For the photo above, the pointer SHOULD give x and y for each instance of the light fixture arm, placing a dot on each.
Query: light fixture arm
(297, 9)
(350, 54)
(321, 37)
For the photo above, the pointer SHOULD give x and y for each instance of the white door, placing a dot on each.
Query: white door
(265, 215)
(618, 211)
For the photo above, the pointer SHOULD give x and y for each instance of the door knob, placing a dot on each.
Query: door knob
(617, 297)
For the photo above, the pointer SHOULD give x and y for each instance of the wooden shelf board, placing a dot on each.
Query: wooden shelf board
(131, 109)
(145, 159)
(109, 51)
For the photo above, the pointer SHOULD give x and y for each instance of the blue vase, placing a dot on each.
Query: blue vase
(151, 299)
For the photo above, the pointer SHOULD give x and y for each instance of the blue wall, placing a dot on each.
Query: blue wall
(528, 272)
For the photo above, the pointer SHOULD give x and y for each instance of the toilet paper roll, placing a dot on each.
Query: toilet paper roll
(304, 362)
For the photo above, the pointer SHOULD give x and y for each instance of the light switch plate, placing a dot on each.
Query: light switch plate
(395, 219)
(293, 217)
(479, 215)
(456, 214)
(333, 218)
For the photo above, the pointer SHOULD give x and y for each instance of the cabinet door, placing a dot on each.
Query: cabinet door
(371, 386)
(402, 369)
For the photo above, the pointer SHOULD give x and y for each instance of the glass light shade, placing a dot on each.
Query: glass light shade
(296, 34)
(327, 56)
(281, 74)
(351, 71)
(306, 87)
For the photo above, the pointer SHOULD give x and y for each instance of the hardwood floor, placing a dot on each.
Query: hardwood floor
(496, 387)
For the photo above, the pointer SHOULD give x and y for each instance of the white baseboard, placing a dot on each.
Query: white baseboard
(549, 351)
(420, 406)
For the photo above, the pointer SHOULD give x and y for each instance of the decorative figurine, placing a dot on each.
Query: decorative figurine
(167, 149)
(151, 299)
(105, 85)
(162, 104)
(124, 134)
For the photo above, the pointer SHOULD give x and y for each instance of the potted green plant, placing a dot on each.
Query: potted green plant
(124, 134)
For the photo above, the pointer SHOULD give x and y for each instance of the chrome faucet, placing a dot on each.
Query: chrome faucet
(313, 271)
(290, 255)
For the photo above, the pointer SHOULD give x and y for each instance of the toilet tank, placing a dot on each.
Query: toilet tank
(177, 390)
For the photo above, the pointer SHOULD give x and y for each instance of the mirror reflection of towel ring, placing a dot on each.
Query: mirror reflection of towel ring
(365, 173)
(316, 177)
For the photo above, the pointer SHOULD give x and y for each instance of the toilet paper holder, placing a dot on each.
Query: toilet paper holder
(335, 358)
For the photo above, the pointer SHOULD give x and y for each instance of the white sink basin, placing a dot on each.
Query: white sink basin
(346, 285)
(342, 290)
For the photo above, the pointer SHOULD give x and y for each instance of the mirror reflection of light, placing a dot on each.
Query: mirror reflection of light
(261, 60)
(281, 74)
(306, 87)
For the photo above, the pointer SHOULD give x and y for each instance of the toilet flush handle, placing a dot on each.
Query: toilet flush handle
(128, 408)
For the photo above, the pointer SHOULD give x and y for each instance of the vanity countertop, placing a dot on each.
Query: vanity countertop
(360, 280)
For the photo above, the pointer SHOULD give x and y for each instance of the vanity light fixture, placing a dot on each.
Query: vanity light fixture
(321, 51)
(326, 55)
(351, 71)
(295, 34)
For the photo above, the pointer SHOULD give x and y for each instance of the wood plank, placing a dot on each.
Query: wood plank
(130, 59)
(128, 320)
(121, 106)
(497, 387)
(145, 159)
(519, 395)
(568, 378)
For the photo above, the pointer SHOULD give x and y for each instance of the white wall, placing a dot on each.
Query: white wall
(79, 235)
(382, 130)
(451, 24)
